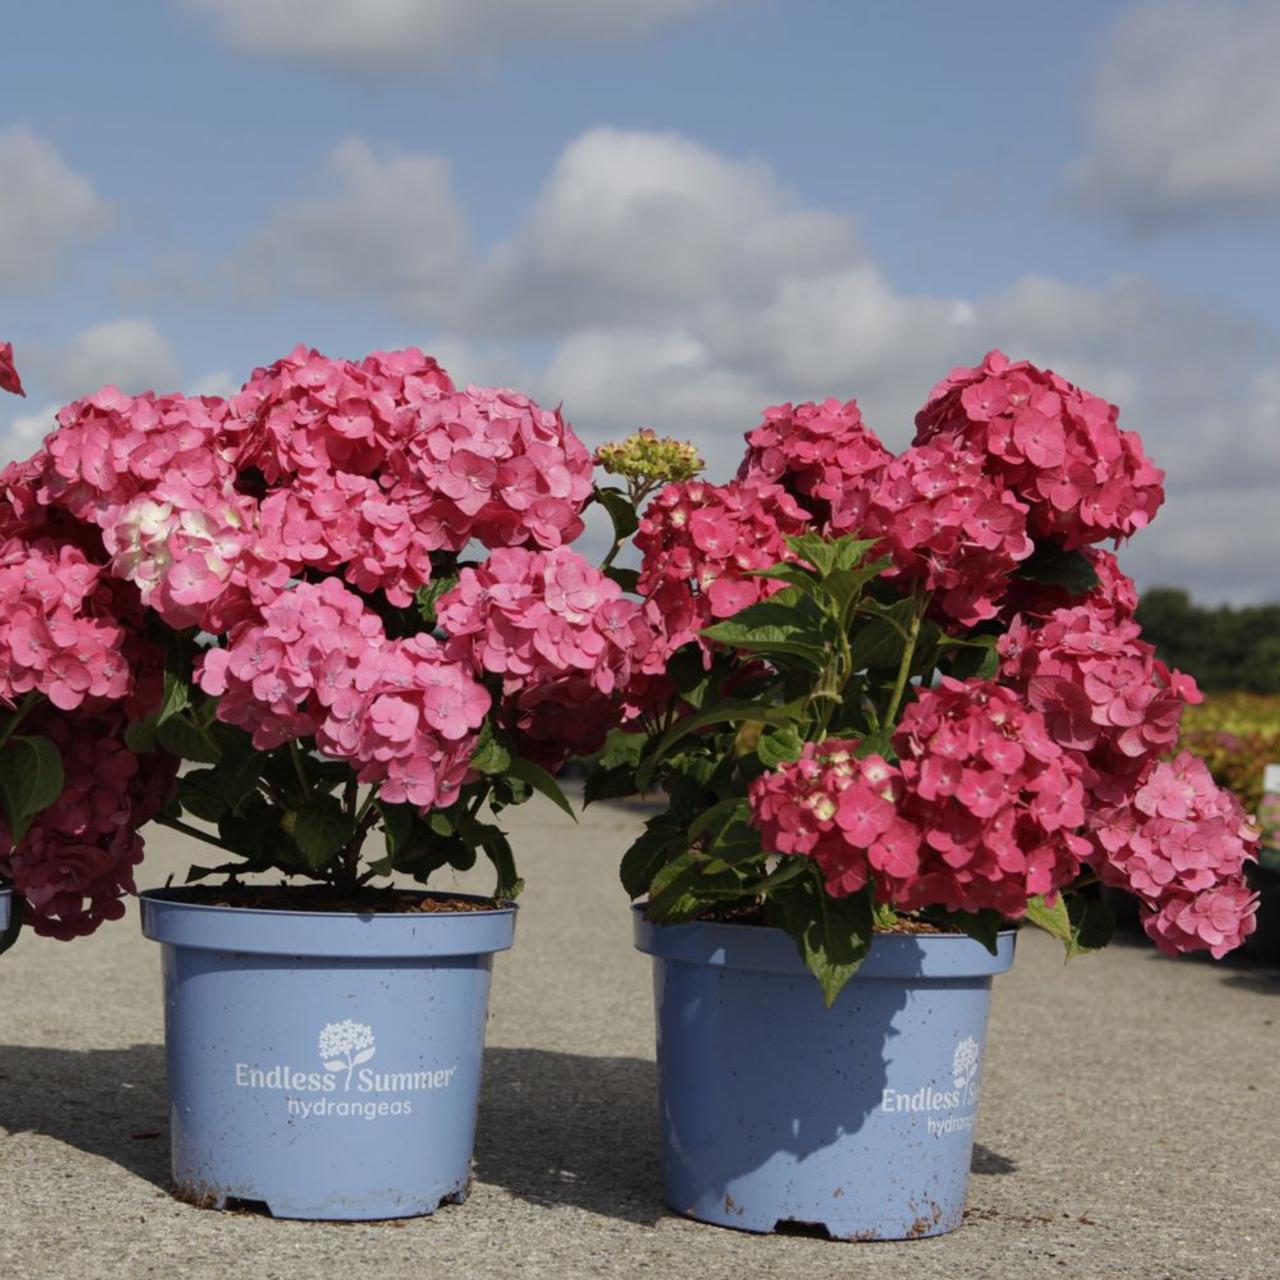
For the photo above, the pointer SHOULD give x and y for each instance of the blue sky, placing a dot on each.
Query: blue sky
(671, 212)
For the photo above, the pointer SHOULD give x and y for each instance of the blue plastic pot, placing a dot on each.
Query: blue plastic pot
(6, 907)
(780, 1112)
(323, 1065)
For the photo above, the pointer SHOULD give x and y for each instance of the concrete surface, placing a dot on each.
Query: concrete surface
(1128, 1124)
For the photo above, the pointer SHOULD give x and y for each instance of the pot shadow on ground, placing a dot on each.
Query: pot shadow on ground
(555, 1128)
(107, 1102)
(565, 1129)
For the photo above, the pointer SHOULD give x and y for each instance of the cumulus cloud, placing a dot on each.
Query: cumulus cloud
(388, 226)
(20, 435)
(47, 211)
(631, 225)
(129, 353)
(430, 37)
(1182, 115)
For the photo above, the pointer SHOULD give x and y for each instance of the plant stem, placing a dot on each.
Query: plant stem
(196, 834)
(904, 667)
(295, 754)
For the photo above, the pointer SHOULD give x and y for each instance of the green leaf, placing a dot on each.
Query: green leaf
(187, 740)
(321, 827)
(31, 779)
(498, 850)
(833, 934)
(627, 579)
(1079, 923)
(981, 926)
(880, 642)
(621, 512)
(177, 697)
(199, 795)
(718, 816)
(140, 735)
(788, 623)
(672, 894)
(973, 657)
(1051, 566)
(731, 711)
(426, 598)
(540, 780)
(827, 555)
(779, 746)
(609, 784)
(490, 756)
(649, 852)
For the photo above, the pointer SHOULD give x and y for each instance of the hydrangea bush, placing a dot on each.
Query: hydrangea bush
(886, 687)
(345, 597)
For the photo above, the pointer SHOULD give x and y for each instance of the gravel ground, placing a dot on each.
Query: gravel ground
(1128, 1125)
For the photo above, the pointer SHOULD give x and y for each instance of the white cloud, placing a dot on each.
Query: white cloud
(129, 353)
(388, 227)
(47, 210)
(21, 436)
(1182, 115)
(630, 225)
(430, 37)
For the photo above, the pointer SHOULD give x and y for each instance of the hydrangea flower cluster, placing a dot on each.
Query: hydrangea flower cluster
(1101, 689)
(996, 800)
(57, 636)
(700, 544)
(317, 663)
(840, 810)
(1057, 447)
(1180, 847)
(75, 864)
(949, 527)
(823, 456)
(556, 631)
(645, 458)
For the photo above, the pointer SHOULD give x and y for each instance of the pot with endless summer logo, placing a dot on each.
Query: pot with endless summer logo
(778, 1112)
(323, 1064)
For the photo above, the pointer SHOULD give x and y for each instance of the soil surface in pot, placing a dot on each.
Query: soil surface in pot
(754, 913)
(285, 897)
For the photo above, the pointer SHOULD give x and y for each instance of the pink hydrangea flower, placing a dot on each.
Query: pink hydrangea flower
(840, 810)
(9, 380)
(995, 799)
(74, 866)
(823, 456)
(1057, 447)
(1180, 843)
(1101, 689)
(701, 543)
(950, 527)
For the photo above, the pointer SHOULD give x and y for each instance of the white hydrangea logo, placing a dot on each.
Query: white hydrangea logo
(964, 1066)
(345, 1045)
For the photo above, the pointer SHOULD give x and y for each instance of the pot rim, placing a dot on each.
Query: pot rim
(768, 949)
(327, 934)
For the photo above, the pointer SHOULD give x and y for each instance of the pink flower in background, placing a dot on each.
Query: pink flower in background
(9, 380)
(823, 456)
(1180, 843)
(75, 865)
(1058, 448)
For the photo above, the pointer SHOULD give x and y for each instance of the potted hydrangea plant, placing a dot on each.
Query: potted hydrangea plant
(318, 647)
(73, 669)
(898, 706)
